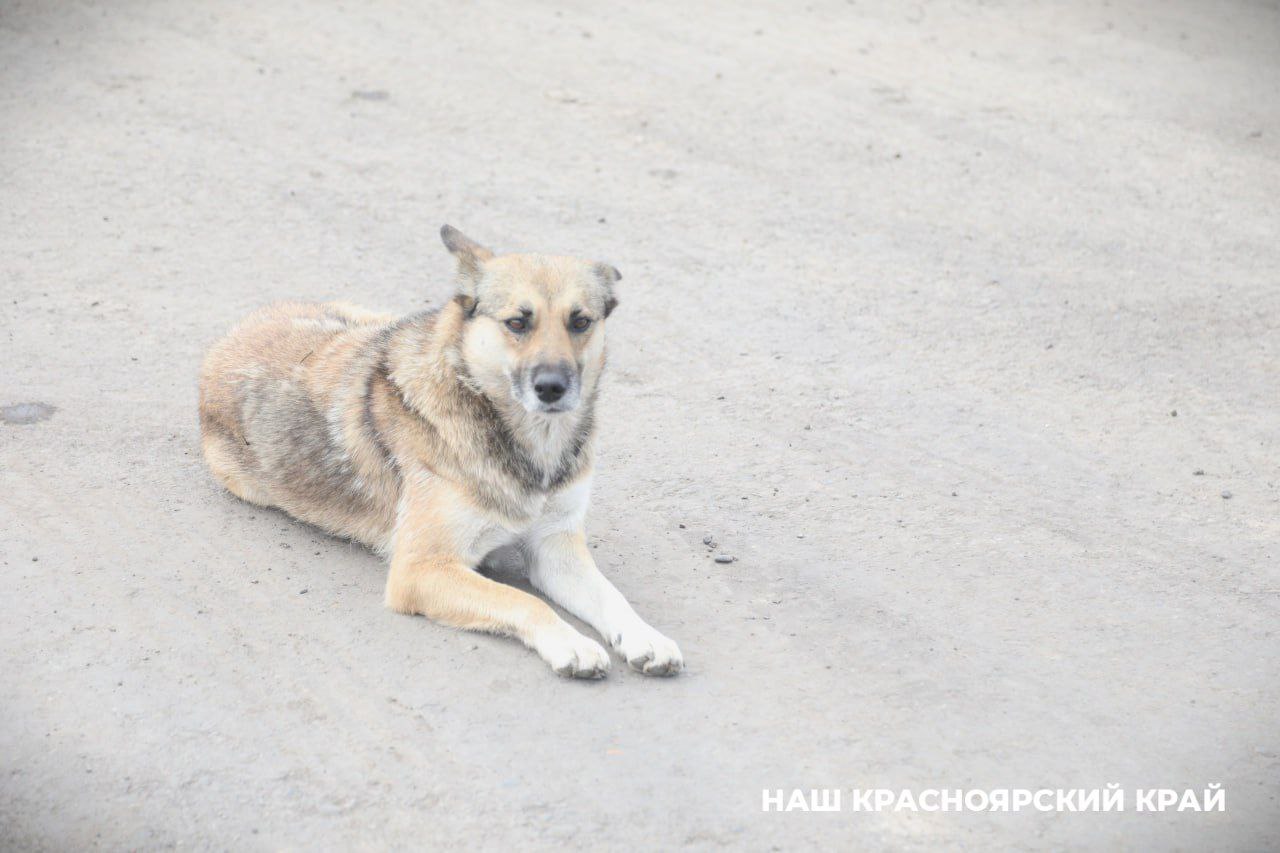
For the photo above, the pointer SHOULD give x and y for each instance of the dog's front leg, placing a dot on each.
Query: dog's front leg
(563, 568)
(430, 575)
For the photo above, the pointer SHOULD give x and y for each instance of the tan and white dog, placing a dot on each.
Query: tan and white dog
(437, 438)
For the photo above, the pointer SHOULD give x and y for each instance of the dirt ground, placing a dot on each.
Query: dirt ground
(957, 324)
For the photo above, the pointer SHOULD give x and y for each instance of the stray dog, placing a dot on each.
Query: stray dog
(437, 438)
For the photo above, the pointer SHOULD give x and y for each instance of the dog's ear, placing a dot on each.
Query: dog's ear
(471, 257)
(610, 276)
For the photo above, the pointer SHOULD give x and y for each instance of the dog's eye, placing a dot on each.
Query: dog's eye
(580, 324)
(517, 324)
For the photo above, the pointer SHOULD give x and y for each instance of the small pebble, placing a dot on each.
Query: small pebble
(709, 540)
(302, 592)
(1199, 472)
(1174, 413)
(724, 558)
(1226, 495)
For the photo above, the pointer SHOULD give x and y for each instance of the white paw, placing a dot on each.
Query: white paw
(571, 654)
(648, 651)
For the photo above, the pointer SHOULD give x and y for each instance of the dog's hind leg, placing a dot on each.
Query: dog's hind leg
(224, 460)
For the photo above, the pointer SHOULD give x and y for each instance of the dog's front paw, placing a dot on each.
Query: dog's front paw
(648, 651)
(571, 654)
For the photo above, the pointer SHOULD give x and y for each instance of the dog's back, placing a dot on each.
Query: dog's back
(277, 396)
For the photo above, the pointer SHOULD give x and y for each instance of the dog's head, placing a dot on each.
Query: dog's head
(535, 323)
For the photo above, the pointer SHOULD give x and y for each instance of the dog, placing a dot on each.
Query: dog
(439, 437)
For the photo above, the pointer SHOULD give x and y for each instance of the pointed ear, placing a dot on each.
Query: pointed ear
(471, 257)
(610, 276)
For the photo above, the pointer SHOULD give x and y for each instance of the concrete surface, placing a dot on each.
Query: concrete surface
(911, 294)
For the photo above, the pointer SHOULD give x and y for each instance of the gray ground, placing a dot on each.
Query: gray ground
(911, 295)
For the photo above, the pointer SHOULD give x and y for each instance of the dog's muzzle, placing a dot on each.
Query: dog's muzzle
(555, 387)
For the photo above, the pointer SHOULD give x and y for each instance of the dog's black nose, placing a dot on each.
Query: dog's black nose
(550, 383)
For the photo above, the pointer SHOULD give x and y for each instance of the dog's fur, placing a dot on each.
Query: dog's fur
(423, 438)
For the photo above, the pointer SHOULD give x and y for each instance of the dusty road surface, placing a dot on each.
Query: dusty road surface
(956, 324)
